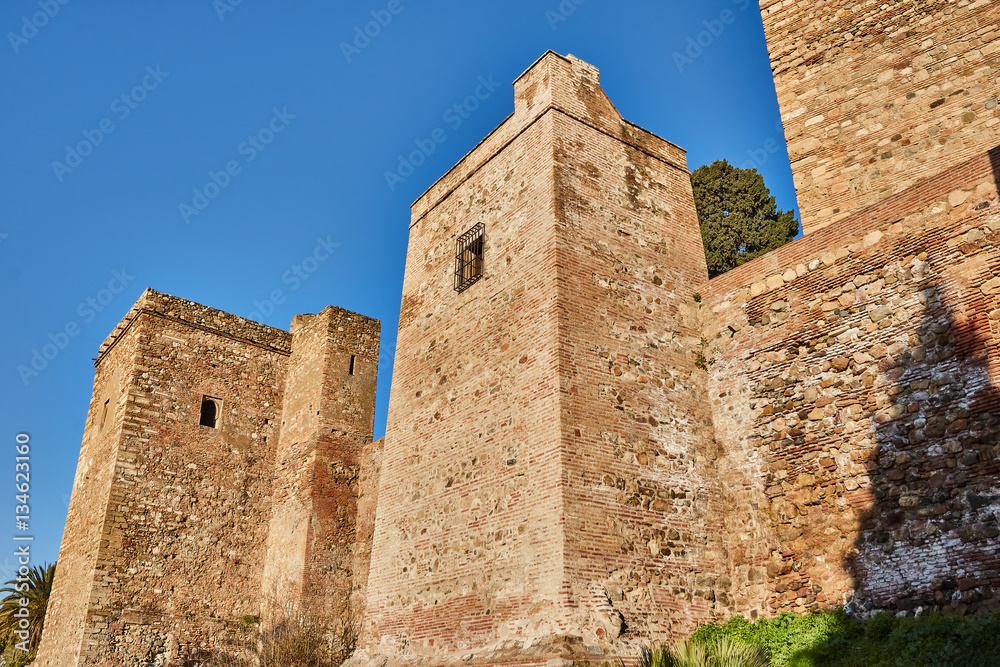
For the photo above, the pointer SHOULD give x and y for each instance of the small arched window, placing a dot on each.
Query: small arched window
(209, 412)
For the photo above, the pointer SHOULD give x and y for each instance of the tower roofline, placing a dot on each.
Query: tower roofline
(569, 85)
(197, 315)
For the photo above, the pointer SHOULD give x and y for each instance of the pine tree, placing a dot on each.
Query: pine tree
(738, 217)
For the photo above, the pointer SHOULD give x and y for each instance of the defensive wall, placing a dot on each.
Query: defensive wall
(589, 444)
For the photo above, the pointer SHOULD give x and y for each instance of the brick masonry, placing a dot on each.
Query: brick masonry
(593, 445)
(547, 461)
(854, 391)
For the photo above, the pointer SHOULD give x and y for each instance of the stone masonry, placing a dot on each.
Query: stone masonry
(546, 465)
(590, 444)
(171, 525)
(878, 96)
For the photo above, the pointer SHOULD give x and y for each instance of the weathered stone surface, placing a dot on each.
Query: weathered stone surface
(472, 448)
(179, 557)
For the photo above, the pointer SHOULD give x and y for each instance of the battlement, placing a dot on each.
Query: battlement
(159, 304)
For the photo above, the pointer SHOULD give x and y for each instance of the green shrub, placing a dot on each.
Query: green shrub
(782, 637)
(880, 626)
(22, 658)
(832, 639)
(656, 656)
(718, 652)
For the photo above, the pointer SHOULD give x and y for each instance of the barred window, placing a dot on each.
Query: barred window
(469, 257)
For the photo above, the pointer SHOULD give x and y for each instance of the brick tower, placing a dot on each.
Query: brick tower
(546, 488)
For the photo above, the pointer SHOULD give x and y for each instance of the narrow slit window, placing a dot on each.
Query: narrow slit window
(209, 412)
(104, 413)
(469, 257)
(352, 365)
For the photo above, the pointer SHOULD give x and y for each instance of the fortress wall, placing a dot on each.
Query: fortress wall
(643, 555)
(181, 553)
(855, 398)
(369, 472)
(877, 95)
(68, 620)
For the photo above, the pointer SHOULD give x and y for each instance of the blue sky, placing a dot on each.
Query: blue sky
(205, 149)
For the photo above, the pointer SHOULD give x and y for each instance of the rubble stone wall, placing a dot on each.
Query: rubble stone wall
(184, 515)
(854, 385)
(326, 434)
(68, 626)
(877, 96)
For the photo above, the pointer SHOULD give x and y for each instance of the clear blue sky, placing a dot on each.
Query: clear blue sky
(182, 85)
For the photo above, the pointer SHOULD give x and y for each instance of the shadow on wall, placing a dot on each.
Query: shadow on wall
(995, 163)
(929, 539)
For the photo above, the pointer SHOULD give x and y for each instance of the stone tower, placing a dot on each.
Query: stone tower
(195, 460)
(322, 458)
(546, 475)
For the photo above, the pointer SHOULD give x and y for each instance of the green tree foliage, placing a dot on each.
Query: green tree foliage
(738, 217)
(35, 589)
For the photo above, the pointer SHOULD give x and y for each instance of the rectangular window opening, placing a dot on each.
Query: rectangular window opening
(352, 365)
(469, 249)
(104, 413)
(209, 412)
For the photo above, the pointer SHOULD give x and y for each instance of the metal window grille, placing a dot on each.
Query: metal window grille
(469, 257)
